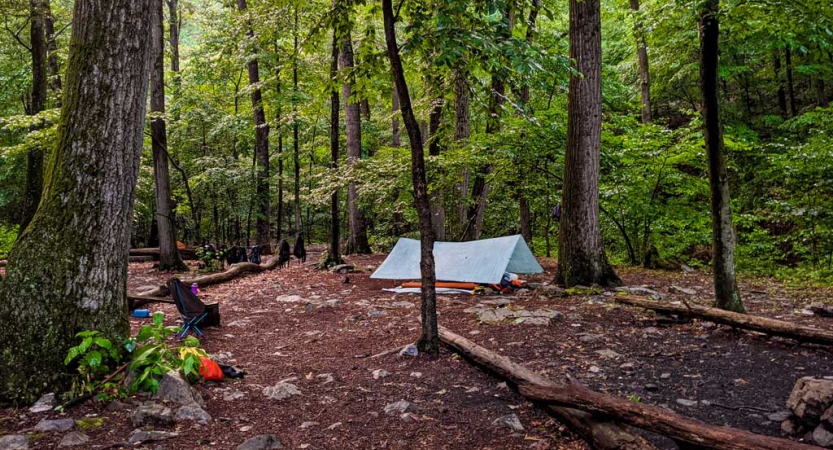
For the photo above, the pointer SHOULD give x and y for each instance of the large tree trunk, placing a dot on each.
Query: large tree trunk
(173, 30)
(334, 254)
(395, 140)
(523, 199)
(642, 56)
(168, 253)
(462, 132)
(790, 85)
(429, 341)
(52, 52)
(782, 95)
(581, 256)
(295, 129)
(434, 148)
(357, 239)
(68, 270)
(261, 146)
(34, 159)
(725, 285)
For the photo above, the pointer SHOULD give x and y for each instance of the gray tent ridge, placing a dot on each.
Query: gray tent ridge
(484, 261)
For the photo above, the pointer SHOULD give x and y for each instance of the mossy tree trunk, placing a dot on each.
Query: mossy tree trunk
(169, 258)
(581, 256)
(334, 254)
(725, 284)
(68, 271)
(642, 58)
(429, 341)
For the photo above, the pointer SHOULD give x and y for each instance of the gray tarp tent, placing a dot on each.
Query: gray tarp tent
(483, 261)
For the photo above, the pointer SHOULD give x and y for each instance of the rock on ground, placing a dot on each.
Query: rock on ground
(150, 413)
(281, 391)
(823, 437)
(192, 413)
(44, 404)
(380, 373)
(810, 398)
(48, 426)
(73, 439)
(14, 442)
(262, 442)
(142, 436)
(511, 421)
(409, 350)
(176, 389)
(400, 407)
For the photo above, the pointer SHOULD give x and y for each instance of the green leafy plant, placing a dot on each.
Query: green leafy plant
(95, 358)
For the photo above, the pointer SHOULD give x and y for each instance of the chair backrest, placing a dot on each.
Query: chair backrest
(188, 304)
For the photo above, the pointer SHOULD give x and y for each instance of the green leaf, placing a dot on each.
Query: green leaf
(158, 318)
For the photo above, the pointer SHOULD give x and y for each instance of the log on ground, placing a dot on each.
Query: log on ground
(656, 419)
(216, 278)
(185, 253)
(600, 432)
(765, 325)
(136, 301)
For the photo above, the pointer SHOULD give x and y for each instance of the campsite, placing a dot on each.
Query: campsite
(416, 224)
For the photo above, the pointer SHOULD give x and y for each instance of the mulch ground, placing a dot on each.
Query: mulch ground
(269, 330)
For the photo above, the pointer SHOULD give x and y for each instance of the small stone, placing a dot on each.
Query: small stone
(14, 442)
(48, 426)
(589, 338)
(472, 390)
(665, 376)
(822, 436)
(46, 403)
(627, 366)
(142, 436)
(511, 421)
(608, 353)
(246, 428)
(281, 391)
(74, 438)
(334, 426)
(261, 442)
(233, 395)
(380, 373)
(408, 417)
(594, 369)
(327, 377)
(682, 290)
(116, 406)
(373, 312)
(409, 350)
(789, 426)
(192, 413)
(686, 402)
(416, 374)
(176, 389)
(400, 407)
(686, 269)
(779, 416)
(306, 425)
(151, 413)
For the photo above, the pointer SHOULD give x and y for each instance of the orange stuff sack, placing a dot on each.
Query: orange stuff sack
(180, 245)
(209, 370)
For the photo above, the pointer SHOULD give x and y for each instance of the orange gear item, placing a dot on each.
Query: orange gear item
(210, 370)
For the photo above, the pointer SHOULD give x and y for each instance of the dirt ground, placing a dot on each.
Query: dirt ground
(270, 330)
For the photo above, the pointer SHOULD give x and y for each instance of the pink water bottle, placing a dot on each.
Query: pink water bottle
(195, 289)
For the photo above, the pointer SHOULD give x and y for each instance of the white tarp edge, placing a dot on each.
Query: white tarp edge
(483, 261)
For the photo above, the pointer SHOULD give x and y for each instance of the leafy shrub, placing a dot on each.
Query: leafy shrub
(94, 357)
(8, 234)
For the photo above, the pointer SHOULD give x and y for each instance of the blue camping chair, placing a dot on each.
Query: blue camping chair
(192, 310)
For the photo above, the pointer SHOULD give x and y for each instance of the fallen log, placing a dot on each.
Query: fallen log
(765, 325)
(656, 419)
(600, 432)
(136, 301)
(217, 278)
(187, 253)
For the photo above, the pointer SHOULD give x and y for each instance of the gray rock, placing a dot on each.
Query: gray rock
(400, 407)
(150, 413)
(641, 290)
(534, 321)
(627, 366)
(548, 313)
(488, 316)
(327, 377)
(373, 312)
(408, 417)
(823, 437)
(682, 290)
(779, 416)
(142, 436)
(48, 426)
(594, 369)
(116, 406)
(402, 305)
(233, 395)
(810, 398)
(46, 403)
(686, 269)
(589, 338)
(306, 425)
(281, 391)
(409, 350)
(608, 353)
(334, 426)
(665, 376)
(73, 439)
(380, 373)
(14, 442)
(686, 402)
(176, 389)
(192, 413)
(262, 442)
(511, 421)
(789, 426)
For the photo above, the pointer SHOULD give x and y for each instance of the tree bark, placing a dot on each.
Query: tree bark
(462, 132)
(52, 52)
(357, 240)
(295, 140)
(642, 56)
(790, 85)
(35, 156)
(334, 254)
(173, 30)
(68, 270)
(581, 256)
(261, 145)
(395, 140)
(169, 258)
(429, 341)
(434, 148)
(782, 95)
(523, 199)
(725, 285)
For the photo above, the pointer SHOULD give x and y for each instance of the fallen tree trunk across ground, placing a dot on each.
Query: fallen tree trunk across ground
(205, 280)
(600, 418)
(185, 253)
(772, 327)
(600, 432)
(136, 301)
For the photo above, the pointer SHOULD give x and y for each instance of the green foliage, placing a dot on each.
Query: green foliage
(94, 358)
(8, 234)
(212, 260)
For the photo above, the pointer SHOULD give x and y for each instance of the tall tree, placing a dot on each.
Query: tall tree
(788, 59)
(429, 341)
(68, 270)
(725, 285)
(581, 256)
(52, 52)
(34, 159)
(261, 144)
(642, 57)
(394, 100)
(295, 127)
(169, 258)
(782, 95)
(357, 239)
(435, 118)
(462, 132)
(334, 253)
(523, 198)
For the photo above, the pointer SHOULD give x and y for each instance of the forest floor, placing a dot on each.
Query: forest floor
(271, 330)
